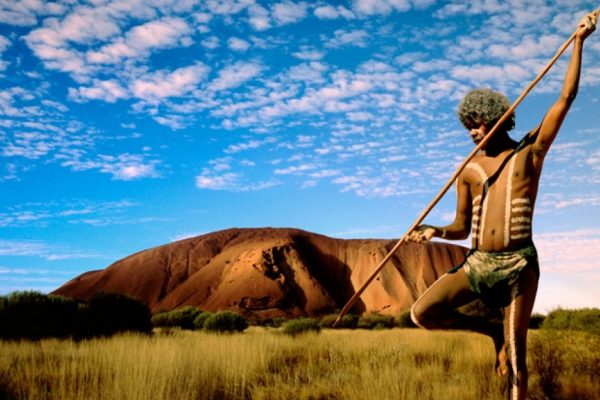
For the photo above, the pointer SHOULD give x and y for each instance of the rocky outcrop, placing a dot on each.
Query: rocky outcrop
(271, 272)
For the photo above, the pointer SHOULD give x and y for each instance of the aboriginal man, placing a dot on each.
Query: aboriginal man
(496, 198)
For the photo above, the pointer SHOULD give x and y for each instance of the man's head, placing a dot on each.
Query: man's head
(484, 107)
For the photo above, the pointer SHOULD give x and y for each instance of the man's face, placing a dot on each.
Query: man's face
(478, 133)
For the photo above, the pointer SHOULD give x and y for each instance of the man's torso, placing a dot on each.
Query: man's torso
(503, 190)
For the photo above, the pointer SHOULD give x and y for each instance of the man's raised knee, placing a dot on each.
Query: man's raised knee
(417, 317)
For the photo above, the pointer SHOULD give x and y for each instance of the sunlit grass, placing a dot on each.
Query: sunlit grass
(265, 364)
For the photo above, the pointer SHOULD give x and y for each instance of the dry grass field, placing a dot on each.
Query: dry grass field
(265, 364)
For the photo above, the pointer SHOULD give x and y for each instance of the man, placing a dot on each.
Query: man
(496, 198)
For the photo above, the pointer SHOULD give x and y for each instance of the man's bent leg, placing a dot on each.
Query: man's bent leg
(516, 323)
(435, 309)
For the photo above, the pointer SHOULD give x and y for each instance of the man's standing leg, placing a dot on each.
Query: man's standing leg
(516, 323)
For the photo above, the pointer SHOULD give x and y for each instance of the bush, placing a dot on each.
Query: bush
(111, 313)
(584, 319)
(404, 320)
(275, 322)
(376, 321)
(295, 327)
(225, 321)
(536, 320)
(548, 362)
(33, 315)
(347, 322)
(182, 318)
(201, 319)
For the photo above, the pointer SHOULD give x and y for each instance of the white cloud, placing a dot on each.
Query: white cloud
(237, 44)
(250, 145)
(574, 251)
(342, 38)
(235, 74)
(371, 7)
(161, 84)
(109, 91)
(4, 43)
(587, 201)
(330, 12)
(30, 144)
(26, 13)
(500, 76)
(472, 7)
(259, 17)
(211, 42)
(218, 176)
(142, 39)
(528, 48)
(227, 7)
(288, 12)
(226, 181)
(309, 54)
(22, 248)
(123, 167)
(295, 169)
(25, 248)
(174, 122)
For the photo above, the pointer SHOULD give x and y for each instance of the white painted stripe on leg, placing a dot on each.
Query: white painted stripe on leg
(512, 342)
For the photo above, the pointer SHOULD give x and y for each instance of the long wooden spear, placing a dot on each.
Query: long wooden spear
(460, 168)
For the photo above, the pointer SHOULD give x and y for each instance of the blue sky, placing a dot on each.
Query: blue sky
(130, 124)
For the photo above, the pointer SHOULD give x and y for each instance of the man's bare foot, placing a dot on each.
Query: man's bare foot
(501, 356)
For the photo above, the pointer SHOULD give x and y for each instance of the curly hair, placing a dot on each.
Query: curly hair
(484, 106)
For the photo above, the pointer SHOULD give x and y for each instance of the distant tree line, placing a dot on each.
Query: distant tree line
(33, 315)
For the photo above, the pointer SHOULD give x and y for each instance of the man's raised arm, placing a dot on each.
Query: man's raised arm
(549, 127)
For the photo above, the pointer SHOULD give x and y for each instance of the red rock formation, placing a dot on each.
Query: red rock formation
(271, 272)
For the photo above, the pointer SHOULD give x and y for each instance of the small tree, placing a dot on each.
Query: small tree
(225, 321)
(110, 313)
(295, 327)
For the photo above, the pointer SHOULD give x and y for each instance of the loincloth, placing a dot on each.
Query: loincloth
(492, 274)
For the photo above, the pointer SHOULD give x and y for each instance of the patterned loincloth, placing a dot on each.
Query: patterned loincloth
(492, 274)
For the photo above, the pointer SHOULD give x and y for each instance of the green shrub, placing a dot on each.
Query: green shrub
(182, 318)
(274, 322)
(404, 320)
(110, 313)
(584, 319)
(348, 321)
(536, 320)
(376, 321)
(225, 321)
(295, 327)
(33, 315)
(547, 363)
(201, 319)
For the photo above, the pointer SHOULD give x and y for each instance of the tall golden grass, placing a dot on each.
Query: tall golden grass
(264, 364)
